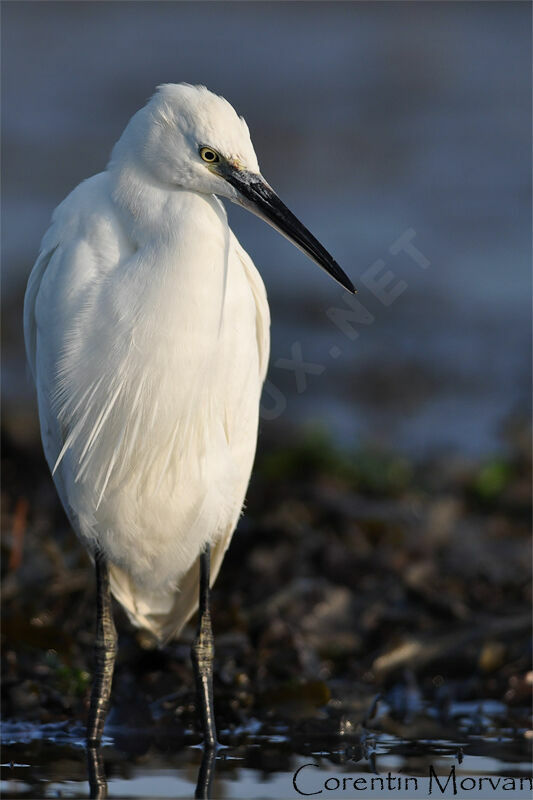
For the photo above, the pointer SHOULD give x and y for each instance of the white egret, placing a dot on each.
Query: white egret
(147, 333)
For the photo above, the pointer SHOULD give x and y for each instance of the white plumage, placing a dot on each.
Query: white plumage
(147, 333)
(142, 311)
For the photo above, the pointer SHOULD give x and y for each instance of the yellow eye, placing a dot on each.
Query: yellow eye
(209, 155)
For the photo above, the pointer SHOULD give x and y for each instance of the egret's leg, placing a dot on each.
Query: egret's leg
(97, 777)
(205, 774)
(105, 650)
(203, 650)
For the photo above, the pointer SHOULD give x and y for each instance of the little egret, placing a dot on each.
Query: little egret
(147, 332)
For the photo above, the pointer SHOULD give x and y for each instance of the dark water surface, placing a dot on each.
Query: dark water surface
(262, 760)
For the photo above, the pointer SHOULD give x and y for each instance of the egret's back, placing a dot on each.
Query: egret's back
(148, 357)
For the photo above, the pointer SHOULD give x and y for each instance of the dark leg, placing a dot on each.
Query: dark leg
(205, 774)
(202, 653)
(97, 778)
(105, 650)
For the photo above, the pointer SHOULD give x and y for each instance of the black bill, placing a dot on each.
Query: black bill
(260, 198)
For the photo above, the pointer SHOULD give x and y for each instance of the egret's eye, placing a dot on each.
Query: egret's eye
(209, 155)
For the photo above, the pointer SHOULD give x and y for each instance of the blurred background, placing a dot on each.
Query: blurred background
(386, 535)
(369, 119)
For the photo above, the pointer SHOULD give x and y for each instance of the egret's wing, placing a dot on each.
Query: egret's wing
(32, 290)
(165, 613)
(262, 319)
(81, 243)
(50, 432)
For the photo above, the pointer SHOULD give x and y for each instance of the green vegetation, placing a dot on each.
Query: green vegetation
(314, 455)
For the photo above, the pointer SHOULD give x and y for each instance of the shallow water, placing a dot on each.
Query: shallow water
(261, 760)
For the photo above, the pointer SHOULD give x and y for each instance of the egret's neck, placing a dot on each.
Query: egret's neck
(182, 241)
(154, 213)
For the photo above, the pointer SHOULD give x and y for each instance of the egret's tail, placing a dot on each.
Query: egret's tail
(164, 614)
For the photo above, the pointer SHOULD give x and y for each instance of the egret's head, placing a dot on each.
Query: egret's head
(186, 137)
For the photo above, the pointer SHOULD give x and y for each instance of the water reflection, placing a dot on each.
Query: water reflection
(98, 786)
(259, 760)
(96, 773)
(205, 774)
